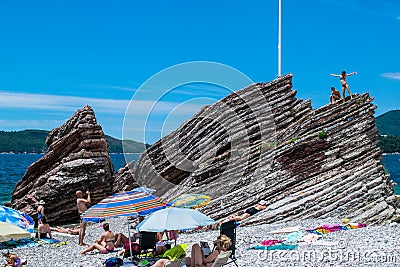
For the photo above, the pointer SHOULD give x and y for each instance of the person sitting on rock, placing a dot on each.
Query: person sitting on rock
(261, 205)
(335, 95)
(44, 229)
(106, 242)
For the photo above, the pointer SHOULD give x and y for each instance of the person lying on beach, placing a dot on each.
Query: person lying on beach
(71, 231)
(261, 205)
(222, 243)
(13, 260)
(106, 242)
(44, 229)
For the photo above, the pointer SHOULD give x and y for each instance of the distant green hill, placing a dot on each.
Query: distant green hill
(389, 123)
(33, 141)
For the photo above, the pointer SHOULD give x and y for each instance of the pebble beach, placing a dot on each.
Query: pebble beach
(367, 246)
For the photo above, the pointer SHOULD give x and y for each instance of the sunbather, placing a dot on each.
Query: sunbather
(44, 229)
(261, 205)
(106, 242)
(71, 231)
(197, 258)
(13, 260)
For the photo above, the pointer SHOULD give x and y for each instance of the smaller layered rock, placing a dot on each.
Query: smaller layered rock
(123, 178)
(77, 159)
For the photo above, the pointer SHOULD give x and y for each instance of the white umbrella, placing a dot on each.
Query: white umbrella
(174, 219)
(10, 231)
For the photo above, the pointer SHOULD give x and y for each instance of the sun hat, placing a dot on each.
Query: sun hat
(262, 202)
(41, 202)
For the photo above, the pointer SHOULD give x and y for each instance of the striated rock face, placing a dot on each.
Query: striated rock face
(263, 143)
(123, 178)
(77, 159)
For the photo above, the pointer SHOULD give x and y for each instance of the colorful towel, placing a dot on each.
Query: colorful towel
(271, 242)
(328, 228)
(27, 243)
(280, 246)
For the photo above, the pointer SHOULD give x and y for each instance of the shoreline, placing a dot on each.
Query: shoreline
(376, 245)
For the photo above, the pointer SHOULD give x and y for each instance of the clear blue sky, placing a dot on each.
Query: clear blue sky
(57, 56)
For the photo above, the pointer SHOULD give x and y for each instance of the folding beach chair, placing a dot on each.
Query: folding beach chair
(147, 242)
(229, 229)
(222, 259)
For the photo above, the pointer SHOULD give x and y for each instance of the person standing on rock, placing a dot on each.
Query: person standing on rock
(81, 203)
(345, 85)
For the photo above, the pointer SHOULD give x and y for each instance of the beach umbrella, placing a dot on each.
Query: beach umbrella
(15, 217)
(10, 231)
(192, 201)
(129, 203)
(174, 219)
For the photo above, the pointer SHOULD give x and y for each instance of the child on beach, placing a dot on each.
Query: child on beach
(13, 260)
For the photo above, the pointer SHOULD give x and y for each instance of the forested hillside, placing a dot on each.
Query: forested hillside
(33, 141)
(389, 123)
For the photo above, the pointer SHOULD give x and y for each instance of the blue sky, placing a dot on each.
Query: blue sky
(57, 56)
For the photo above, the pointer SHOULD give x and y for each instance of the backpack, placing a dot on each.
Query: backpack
(114, 262)
(135, 248)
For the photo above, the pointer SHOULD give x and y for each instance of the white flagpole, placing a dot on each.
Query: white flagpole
(280, 39)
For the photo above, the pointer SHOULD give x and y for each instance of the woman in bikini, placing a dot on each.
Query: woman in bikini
(106, 242)
(262, 205)
(345, 85)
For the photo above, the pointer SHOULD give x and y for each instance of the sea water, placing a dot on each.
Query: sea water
(14, 166)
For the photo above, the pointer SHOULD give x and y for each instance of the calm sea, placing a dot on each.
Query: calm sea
(14, 166)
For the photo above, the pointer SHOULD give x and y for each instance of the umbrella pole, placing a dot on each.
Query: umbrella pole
(129, 238)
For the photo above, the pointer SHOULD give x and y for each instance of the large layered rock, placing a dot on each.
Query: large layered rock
(77, 159)
(263, 143)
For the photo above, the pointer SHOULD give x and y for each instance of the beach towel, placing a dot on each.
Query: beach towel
(27, 243)
(280, 246)
(286, 230)
(294, 237)
(327, 228)
(271, 242)
(177, 252)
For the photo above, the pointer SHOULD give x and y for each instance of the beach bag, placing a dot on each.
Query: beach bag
(135, 248)
(113, 262)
